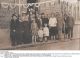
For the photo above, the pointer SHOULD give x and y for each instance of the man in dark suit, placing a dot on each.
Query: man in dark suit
(13, 29)
(65, 26)
(70, 26)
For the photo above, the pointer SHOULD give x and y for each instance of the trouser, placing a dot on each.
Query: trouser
(13, 38)
(70, 32)
(66, 32)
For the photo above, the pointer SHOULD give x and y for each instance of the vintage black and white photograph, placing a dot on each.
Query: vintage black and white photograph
(39, 24)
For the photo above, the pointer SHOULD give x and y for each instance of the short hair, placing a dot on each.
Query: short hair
(13, 15)
(42, 13)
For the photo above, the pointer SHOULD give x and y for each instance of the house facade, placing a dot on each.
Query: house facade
(48, 7)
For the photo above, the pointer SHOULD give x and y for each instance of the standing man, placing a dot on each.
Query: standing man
(70, 26)
(53, 27)
(65, 26)
(13, 30)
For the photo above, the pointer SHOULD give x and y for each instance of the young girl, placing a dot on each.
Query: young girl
(40, 34)
(34, 29)
(46, 32)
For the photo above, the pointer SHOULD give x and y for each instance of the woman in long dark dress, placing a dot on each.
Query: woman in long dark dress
(26, 29)
(19, 32)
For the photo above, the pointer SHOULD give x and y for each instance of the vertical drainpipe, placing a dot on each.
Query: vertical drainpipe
(78, 10)
(14, 8)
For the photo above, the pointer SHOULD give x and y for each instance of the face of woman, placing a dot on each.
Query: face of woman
(25, 18)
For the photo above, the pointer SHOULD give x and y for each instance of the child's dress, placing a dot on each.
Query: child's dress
(34, 28)
(46, 31)
(40, 33)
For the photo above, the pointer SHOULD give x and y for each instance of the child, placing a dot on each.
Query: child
(40, 34)
(46, 32)
(34, 29)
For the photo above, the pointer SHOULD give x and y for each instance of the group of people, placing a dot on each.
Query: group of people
(27, 28)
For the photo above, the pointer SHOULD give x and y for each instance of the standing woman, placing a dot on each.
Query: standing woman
(13, 30)
(19, 31)
(26, 29)
(53, 27)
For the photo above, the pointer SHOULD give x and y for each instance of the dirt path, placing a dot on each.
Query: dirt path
(4, 38)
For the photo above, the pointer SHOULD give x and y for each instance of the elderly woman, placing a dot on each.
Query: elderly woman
(26, 29)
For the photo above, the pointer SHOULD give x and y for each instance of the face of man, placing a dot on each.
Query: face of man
(43, 16)
(14, 17)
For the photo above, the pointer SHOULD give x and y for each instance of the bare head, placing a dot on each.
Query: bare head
(43, 15)
(14, 17)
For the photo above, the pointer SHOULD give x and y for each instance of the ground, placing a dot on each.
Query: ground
(59, 45)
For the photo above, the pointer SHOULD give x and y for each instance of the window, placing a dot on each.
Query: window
(31, 1)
